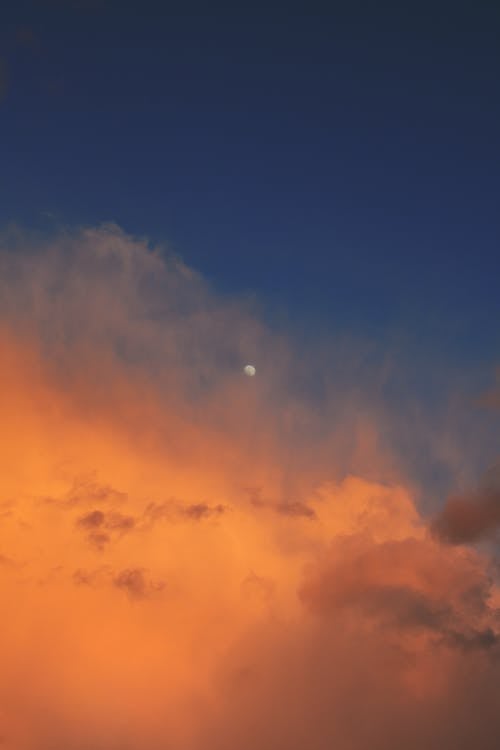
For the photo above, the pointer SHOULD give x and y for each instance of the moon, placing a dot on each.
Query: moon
(249, 370)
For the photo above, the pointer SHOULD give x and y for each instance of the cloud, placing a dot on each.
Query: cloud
(7, 561)
(173, 510)
(136, 584)
(132, 581)
(169, 604)
(473, 516)
(99, 539)
(291, 508)
(390, 585)
(476, 639)
(84, 577)
(103, 528)
(119, 522)
(111, 521)
(86, 491)
(91, 520)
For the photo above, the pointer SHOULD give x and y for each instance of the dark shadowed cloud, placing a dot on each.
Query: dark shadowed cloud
(469, 518)
(389, 585)
(173, 510)
(91, 520)
(290, 508)
(136, 583)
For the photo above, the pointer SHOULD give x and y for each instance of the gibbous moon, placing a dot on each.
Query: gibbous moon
(249, 370)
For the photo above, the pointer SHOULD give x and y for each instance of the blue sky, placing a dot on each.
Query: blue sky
(342, 164)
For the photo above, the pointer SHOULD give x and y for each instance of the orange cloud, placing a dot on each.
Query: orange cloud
(184, 560)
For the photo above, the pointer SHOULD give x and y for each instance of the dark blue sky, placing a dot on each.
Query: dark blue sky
(344, 164)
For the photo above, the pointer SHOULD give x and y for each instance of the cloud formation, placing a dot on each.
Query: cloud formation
(195, 559)
(470, 517)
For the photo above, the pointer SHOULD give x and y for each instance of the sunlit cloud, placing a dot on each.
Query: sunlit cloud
(197, 559)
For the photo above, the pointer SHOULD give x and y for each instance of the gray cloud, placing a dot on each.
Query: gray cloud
(136, 583)
(173, 510)
(102, 528)
(291, 508)
(469, 518)
(91, 520)
(99, 539)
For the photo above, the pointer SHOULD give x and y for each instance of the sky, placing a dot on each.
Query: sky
(199, 559)
(343, 163)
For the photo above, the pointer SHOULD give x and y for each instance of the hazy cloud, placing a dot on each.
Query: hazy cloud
(99, 539)
(87, 491)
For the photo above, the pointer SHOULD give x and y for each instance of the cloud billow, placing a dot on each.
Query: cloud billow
(191, 558)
